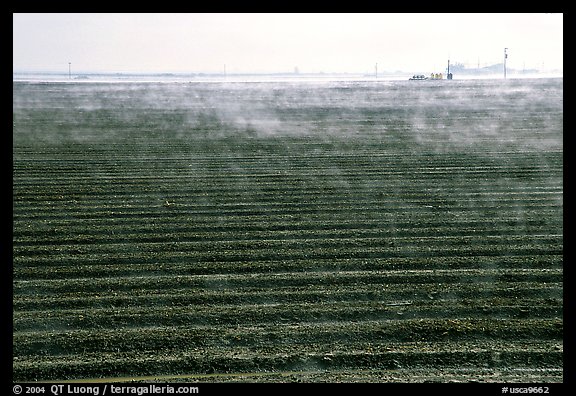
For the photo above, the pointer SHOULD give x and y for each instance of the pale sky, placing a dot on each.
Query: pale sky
(270, 43)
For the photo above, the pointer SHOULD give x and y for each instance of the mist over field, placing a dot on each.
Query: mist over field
(458, 114)
(366, 231)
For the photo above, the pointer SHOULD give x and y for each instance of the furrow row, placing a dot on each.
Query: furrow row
(380, 333)
(276, 223)
(282, 314)
(109, 270)
(234, 213)
(329, 290)
(80, 235)
(172, 252)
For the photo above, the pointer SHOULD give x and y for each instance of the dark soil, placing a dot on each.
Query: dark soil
(334, 232)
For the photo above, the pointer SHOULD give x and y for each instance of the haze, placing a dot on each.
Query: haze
(278, 43)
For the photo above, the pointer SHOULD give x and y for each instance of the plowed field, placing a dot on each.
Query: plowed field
(337, 231)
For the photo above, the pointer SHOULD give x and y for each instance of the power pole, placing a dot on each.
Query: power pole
(505, 57)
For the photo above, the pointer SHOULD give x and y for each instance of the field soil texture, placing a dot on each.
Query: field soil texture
(376, 231)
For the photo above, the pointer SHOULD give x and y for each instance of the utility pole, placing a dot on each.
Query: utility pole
(69, 70)
(505, 57)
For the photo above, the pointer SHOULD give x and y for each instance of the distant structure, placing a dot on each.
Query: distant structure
(418, 77)
(448, 74)
(69, 70)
